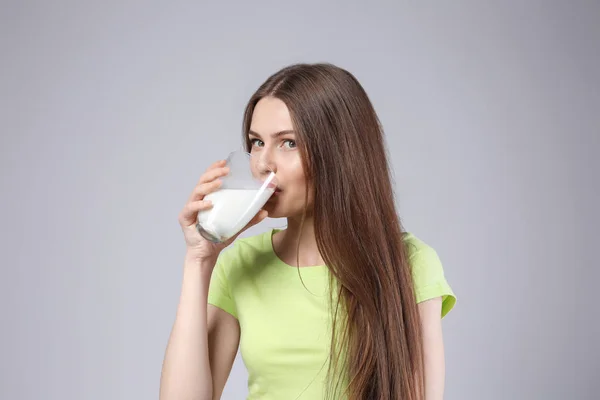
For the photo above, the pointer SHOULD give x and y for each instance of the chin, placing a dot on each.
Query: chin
(276, 209)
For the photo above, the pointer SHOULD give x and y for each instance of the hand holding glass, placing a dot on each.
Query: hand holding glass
(241, 196)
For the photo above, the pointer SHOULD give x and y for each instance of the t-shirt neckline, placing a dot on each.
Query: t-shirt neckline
(271, 249)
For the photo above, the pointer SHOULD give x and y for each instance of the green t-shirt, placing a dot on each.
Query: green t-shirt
(285, 328)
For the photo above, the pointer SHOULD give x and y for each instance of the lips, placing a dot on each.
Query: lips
(276, 193)
(271, 185)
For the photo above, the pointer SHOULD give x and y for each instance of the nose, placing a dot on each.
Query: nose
(264, 170)
(266, 163)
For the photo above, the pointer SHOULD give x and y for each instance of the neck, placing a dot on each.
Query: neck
(286, 244)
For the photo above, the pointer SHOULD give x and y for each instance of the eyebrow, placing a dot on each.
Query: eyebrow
(273, 135)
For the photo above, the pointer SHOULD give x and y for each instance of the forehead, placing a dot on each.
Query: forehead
(270, 115)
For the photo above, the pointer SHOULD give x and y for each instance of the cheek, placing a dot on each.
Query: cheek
(296, 172)
(299, 185)
(293, 180)
(299, 192)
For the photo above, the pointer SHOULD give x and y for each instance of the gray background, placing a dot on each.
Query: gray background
(110, 113)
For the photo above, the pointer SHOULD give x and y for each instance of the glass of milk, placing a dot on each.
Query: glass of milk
(244, 191)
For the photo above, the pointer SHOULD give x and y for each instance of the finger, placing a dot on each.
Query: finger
(213, 174)
(208, 177)
(215, 165)
(189, 214)
(203, 189)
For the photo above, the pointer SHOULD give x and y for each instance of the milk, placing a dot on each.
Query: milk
(232, 210)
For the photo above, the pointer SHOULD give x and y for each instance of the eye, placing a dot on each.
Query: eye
(293, 142)
(253, 141)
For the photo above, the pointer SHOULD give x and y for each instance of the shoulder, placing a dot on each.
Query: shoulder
(231, 270)
(429, 278)
(415, 244)
(422, 256)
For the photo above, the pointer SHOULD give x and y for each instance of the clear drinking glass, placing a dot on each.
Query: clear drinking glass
(241, 196)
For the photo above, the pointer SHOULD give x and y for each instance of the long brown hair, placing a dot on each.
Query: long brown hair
(376, 339)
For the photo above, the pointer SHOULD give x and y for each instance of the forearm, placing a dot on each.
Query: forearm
(433, 348)
(434, 376)
(186, 371)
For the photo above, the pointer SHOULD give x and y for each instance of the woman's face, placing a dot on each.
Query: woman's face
(273, 147)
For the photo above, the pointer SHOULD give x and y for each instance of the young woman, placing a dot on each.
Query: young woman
(343, 303)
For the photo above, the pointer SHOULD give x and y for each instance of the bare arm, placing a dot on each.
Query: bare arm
(202, 344)
(433, 348)
(223, 342)
(204, 339)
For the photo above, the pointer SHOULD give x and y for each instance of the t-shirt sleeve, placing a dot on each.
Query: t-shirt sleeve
(429, 280)
(219, 293)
